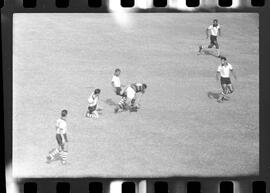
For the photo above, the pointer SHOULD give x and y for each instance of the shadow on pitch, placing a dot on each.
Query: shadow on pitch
(212, 95)
(110, 102)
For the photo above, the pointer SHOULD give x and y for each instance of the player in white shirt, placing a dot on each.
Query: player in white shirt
(224, 71)
(130, 93)
(61, 138)
(116, 83)
(214, 31)
(93, 102)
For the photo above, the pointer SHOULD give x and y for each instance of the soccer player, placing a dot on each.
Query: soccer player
(130, 94)
(93, 102)
(214, 31)
(61, 138)
(116, 83)
(223, 74)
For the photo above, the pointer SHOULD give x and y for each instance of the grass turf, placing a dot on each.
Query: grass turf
(179, 131)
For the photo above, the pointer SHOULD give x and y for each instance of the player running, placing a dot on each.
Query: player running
(130, 94)
(93, 102)
(214, 31)
(116, 83)
(223, 73)
(61, 138)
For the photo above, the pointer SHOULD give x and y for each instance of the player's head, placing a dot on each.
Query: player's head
(215, 22)
(117, 72)
(223, 60)
(97, 91)
(64, 113)
(144, 87)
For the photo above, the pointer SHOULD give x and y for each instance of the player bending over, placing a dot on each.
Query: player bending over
(223, 73)
(61, 138)
(92, 107)
(214, 31)
(116, 83)
(130, 94)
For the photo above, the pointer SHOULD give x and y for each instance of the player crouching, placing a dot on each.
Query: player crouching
(130, 93)
(92, 108)
(61, 138)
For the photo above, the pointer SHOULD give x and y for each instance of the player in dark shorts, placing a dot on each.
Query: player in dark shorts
(224, 71)
(214, 31)
(61, 138)
(116, 83)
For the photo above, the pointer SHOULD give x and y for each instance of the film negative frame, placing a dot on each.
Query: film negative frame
(240, 184)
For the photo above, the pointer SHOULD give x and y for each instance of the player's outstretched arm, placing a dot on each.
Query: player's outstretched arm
(206, 32)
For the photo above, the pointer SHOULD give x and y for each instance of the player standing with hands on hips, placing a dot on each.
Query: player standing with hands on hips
(223, 73)
(215, 31)
(61, 138)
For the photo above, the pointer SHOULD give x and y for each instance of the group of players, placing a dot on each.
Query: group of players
(128, 96)
(225, 69)
(129, 93)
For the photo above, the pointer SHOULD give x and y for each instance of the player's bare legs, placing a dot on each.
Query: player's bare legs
(223, 93)
(64, 152)
(226, 90)
(211, 45)
(217, 48)
(230, 88)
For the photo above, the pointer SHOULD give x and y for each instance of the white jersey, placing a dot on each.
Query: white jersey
(93, 99)
(225, 70)
(116, 81)
(61, 126)
(214, 29)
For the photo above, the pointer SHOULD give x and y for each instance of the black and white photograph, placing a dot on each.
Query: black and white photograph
(135, 95)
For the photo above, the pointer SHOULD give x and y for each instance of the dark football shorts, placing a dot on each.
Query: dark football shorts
(91, 109)
(60, 140)
(213, 41)
(225, 80)
(118, 90)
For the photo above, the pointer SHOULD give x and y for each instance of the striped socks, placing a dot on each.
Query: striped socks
(53, 154)
(63, 155)
(122, 102)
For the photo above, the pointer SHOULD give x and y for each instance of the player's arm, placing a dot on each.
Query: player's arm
(217, 75)
(207, 33)
(219, 31)
(234, 74)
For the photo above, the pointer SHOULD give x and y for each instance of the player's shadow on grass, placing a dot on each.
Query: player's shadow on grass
(110, 102)
(213, 95)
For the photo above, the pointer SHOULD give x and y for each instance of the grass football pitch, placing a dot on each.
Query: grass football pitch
(180, 130)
